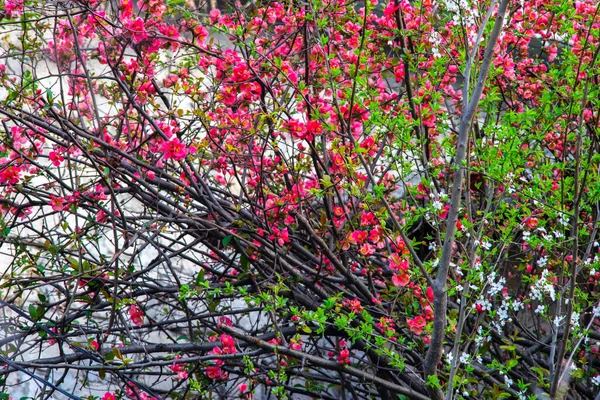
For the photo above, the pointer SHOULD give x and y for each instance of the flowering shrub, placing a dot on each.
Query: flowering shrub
(391, 199)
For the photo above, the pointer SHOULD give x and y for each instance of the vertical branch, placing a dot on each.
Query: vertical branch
(560, 369)
(434, 354)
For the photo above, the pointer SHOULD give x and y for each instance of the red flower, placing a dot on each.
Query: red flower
(416, 324)
(368, 218)
(296, 346)
(400, 280)
(430, 296)
(137, 29)
(344, 357)
(357, 237)
(56, 158)
(531, 222)
(228, 344)
(136, 315)
(367, 249)
(215, 372)
(179, 369)
(109, 396)
(174, 149)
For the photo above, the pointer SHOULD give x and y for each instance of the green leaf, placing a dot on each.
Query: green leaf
(199, 278)
(36, 312)
(227, 239)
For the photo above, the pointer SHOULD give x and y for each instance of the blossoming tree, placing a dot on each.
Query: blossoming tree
(329, 199)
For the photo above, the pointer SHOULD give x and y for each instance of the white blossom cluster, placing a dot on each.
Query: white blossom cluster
(563, 219)
(480, 339)
(483, 303)
(477, 266)
(495, 287)
(542, 286)
(436, 42)
(502, 313)
(458, 8)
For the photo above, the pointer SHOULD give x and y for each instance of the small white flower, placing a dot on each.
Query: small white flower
(596, 380)
(517, 305)
(539, 309)
(464, 358)
(542, 262)
(558, 320)
(575, 319)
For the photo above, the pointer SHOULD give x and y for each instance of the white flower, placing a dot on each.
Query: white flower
(464, 358)
(543, 286)
(539, 309)
(517, 305)
(575, 319)
(558, 320)
(542, 262)
(437, 205)
(596, 380)
(495, 287)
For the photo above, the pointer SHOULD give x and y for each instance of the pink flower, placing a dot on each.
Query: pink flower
(102, 216)
(174, 149)
(368, 218)
(228, 344)
(59, 203)
(214, 15)
(416, 324)
(94, 345)
(56, 158)
(136, 315)
(366, 249)
(400, 280)
(13, 8)
(344, 357)
(126, 7)
(137, 29)
(430, 296)
(242, 387)
(109, 396)
(354, 305)
(296, 346)
(179, 369)
(215, 372)
(357, 237)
